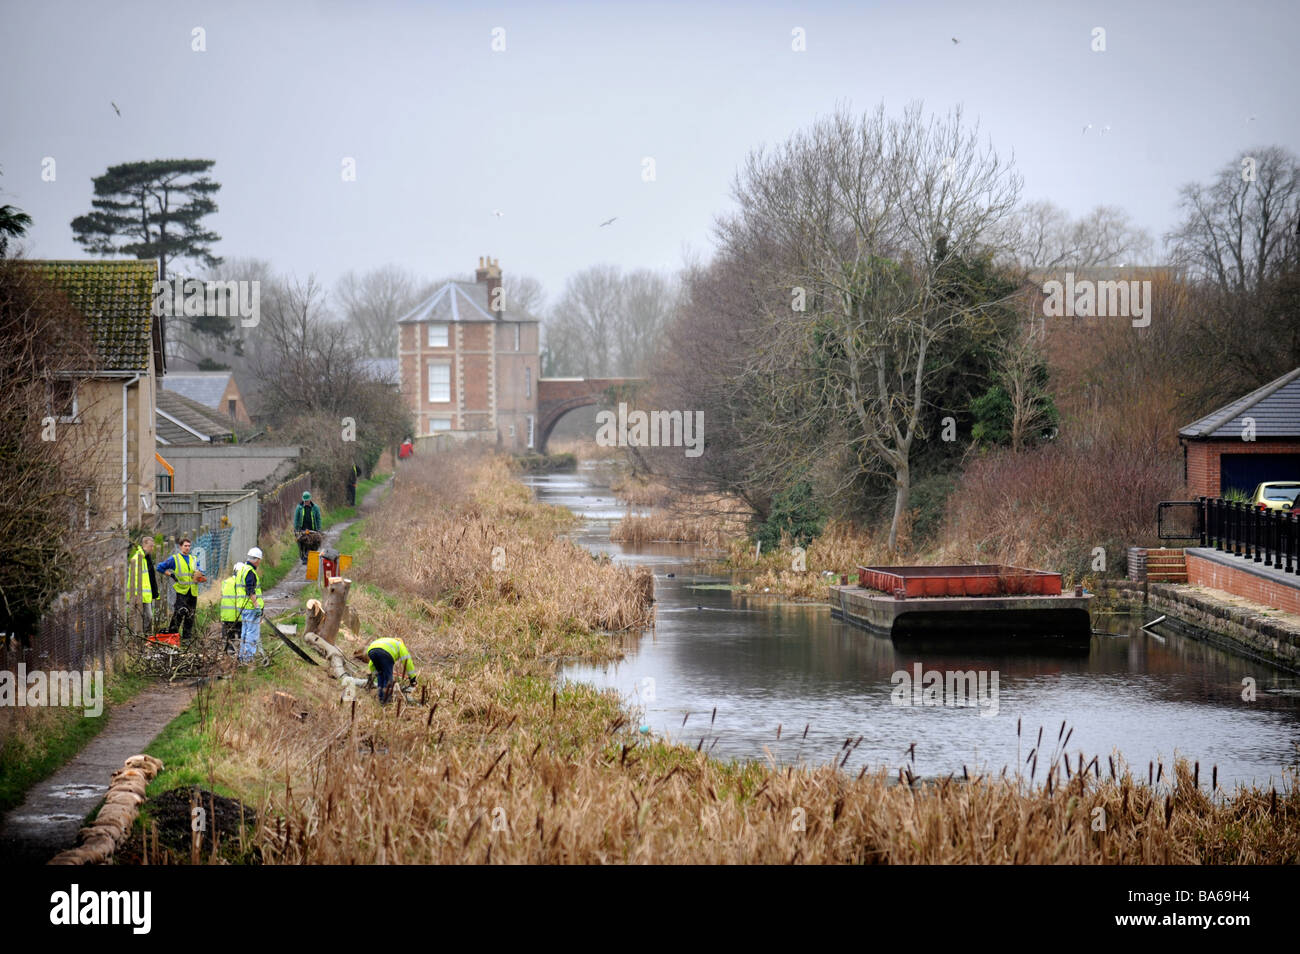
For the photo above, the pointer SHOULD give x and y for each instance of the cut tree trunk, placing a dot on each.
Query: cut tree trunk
(329, 651)
(336, 604)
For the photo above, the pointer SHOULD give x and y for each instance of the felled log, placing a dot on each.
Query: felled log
(121, 805)
(331, 653)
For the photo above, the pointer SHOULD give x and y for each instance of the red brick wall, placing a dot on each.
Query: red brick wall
(477, 336)
(1203, 460)
(1202, 572)
(476, 379)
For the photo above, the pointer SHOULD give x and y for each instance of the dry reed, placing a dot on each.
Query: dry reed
(501, 765)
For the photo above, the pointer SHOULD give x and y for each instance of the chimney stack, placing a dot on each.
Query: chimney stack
(489, 275)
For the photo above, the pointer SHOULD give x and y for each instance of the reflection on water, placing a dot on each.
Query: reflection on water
(764, 664)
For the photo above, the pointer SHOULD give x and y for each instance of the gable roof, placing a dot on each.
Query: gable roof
(205, 387)
(458, 301)
(116, 299)
(182, 421)
(1275, 409)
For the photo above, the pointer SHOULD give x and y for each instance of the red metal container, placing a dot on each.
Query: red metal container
(984, 579)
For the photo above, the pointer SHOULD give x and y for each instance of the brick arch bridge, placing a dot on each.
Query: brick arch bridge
(556, 397)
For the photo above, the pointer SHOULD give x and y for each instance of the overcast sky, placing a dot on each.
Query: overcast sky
(552, 131)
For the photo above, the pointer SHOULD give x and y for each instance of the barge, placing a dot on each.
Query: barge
(986, 604)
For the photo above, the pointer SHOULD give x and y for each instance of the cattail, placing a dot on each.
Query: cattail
(1214, 779)
(685, 717)
(1067, 737)
(778, 732)
(1169, 809)
(805, 730)
(1196, 774)
(714, 716)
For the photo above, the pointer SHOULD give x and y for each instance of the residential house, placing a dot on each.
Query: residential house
(112, 410)
(470, 365)
(213, 389)
(198, 450)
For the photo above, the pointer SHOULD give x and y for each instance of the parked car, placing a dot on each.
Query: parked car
(1276, 495)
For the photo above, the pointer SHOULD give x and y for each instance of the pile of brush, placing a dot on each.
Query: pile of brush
(122, 803)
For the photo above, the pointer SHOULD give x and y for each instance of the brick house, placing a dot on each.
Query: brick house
(1246, 442)
(469, 366)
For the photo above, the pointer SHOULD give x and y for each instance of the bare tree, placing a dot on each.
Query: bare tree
(873, 221)
(1022, 374)
(1041, 236)
(1241, 229)
(372, 302)
(648, 300)
(586, 318)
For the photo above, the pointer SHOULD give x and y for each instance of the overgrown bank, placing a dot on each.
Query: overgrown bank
(501, 764)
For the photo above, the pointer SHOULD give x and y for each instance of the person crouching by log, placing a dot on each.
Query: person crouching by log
(390, 660)
(306, 524)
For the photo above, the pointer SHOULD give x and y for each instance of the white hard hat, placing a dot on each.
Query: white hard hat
(255, 554)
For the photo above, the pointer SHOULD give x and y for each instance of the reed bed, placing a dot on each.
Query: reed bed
(499, 764)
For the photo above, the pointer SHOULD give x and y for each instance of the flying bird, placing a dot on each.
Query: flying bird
(1086, 128)
(119, 112)
(955, 40)
(498, 213)
(1251, 119)
(1104, 130)
(606, 222)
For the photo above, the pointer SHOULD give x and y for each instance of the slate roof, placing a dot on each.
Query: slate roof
(457, 301)
(205, 387)
(1275, 409)
(170, 404)
(116, 298)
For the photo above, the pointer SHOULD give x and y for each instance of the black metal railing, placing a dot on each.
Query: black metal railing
(1267, 537)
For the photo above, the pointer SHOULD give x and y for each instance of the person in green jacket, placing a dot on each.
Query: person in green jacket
(306, 517)
(390, 660)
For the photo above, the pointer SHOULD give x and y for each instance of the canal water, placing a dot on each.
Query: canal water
(728, 672)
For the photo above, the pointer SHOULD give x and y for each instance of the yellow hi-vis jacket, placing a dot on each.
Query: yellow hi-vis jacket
(230, 595)
(244, 601)
(137, 578)
(184, 572)
(397, 649)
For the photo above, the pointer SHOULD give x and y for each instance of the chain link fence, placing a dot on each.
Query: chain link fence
(77, 631)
